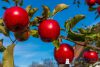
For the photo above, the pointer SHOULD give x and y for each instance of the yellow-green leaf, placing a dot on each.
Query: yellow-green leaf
(59, 8)
(28, 8)
(56, 43)
(2, 48)
(8, 58)
(34, 33)
(4, 30)
(32, 12)
(1, 21)
(46, 12)
(69, 24)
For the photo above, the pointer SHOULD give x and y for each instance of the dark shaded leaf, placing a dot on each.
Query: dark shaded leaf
(2, 48)
(59, 8)
(34, 33)
(8, 58)
(69, 24)
(46, 12)
(21, 2)
(92, 9)
(76, 36)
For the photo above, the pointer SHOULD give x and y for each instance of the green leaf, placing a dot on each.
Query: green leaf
(8, 58)
(2, 48)
(32, 12)
(4, 30)
(34, 33)
(82, 31)
(92, 9)
(28, 8)
(56, 43)
(59, 8)
(98, 43)
(21, 3)
(76, 36)
(69, 24)
(1, 21)
(93, 37)
(46, 12)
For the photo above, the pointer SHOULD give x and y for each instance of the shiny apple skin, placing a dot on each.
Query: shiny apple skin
(90, 2)
(90, 56)
(49, 30)
(16, 19)
(64, 52)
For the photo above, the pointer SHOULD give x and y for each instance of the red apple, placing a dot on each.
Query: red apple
(64, 52)
(90, 56)
(22, 36)
(98, 2)
(49, 30)
(16, 19)
(98, 10)
(90, 2)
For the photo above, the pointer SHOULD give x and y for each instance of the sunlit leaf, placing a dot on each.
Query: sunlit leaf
(32, 12)
(28, 8)
(4, 30)
(1, 21)
(82, 31)
(34, 33)
(69, 24)
(56, 43)
(46, 12)
(8, 58)
(59, 8)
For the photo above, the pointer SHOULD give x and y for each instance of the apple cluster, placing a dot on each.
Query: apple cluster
(17, 20)
(92, 3)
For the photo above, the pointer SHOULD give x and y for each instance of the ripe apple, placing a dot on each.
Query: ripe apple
(90, 56)
(16, 19)
(22, 36)
(98, 2)
(64, 52)
(90, 2)
(98, 10)
(49, 30)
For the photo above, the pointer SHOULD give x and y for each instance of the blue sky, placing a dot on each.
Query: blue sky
(34, 49)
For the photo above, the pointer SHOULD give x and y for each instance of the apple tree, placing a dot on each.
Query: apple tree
(19, 21)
